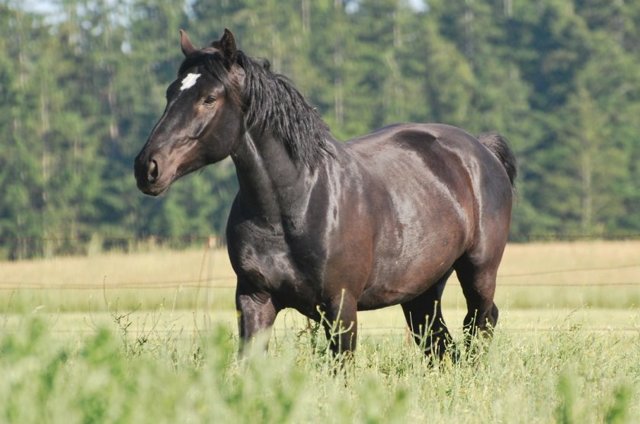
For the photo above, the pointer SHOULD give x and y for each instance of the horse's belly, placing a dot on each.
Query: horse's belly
(403, 285)
(380, 297)
(406, 264)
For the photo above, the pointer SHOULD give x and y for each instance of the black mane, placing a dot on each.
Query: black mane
(271, 103)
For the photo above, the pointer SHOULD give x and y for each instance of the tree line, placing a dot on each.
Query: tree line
(82, 82)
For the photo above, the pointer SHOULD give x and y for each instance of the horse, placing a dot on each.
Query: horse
(331, 228)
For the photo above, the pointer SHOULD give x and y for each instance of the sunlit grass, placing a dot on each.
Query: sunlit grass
(196, 278)
(543, 275)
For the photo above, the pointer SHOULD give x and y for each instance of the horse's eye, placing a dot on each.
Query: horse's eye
(209, 100)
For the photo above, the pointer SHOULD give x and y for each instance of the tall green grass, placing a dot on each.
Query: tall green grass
(575, 376)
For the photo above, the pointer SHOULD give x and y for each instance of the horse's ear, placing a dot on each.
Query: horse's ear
(185, 43)
(228, 46)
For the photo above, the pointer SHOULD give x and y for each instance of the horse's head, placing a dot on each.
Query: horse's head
(203, 119)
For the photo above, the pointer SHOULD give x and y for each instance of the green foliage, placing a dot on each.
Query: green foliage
(567, 377)
(81, 87)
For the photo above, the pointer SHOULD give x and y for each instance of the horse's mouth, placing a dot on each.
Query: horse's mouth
(154, 189)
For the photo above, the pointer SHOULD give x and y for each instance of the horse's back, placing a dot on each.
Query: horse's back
(439, 150)
(413, 136)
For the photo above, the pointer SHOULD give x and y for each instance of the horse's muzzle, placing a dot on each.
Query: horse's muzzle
(147, 172)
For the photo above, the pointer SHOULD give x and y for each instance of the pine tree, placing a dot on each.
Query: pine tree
(21, 226)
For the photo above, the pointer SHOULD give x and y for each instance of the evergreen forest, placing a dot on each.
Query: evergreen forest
(82, 83)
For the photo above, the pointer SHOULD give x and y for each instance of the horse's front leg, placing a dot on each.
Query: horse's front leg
(256, 314)
(341, 323)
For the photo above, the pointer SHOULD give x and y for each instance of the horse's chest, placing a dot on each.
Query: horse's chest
(261, 257)
(268, 268)
(264, 262)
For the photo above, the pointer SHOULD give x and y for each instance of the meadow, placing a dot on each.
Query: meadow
(150, 337)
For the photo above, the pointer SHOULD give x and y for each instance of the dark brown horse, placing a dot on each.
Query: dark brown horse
(330, 228)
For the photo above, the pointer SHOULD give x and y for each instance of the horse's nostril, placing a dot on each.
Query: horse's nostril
(152, 173)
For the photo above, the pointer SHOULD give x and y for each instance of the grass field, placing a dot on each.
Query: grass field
(150, 337)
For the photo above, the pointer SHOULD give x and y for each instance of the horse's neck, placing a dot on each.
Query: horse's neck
(271, 185)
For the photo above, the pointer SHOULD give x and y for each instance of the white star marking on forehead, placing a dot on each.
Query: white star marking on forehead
(189, 81)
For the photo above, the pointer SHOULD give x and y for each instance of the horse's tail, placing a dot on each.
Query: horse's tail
(499, 146)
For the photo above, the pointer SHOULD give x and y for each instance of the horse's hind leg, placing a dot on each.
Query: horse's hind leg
(424, 318)
(478, 281)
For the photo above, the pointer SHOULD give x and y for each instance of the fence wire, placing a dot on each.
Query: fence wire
(215, 283)
(508, 280)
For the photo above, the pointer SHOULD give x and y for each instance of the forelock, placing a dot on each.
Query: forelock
(212, 62)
